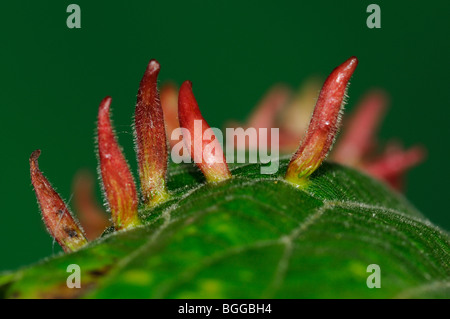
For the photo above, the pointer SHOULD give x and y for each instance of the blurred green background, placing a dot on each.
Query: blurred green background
(53, 78)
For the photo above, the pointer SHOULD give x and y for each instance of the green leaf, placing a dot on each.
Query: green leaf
(257, 236)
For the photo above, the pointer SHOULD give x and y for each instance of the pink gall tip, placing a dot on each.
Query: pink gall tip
(169, 103)
(394, 163)
(358, 137)
(266, 111)
(90, 214)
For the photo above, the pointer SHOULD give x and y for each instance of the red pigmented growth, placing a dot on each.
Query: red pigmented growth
(358, 137)
(394, 163)
(207, 153)
(90, 214)
(118, 182)
(279, 108)
(357, 146)
(266, 111)
(169, 103)
(323, 126)
(57, 217)
(151, 142)
(264, 115)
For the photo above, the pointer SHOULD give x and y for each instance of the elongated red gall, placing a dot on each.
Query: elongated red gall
(150, 136)
(323, 126)
(118, 183)
(55, 213)
(212, 164)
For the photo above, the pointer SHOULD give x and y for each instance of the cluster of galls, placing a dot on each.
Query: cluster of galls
(154, 112)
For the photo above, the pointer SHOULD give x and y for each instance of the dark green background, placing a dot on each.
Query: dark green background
(53, 78)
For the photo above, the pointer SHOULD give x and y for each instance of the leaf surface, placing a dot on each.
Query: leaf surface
(256, 236)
